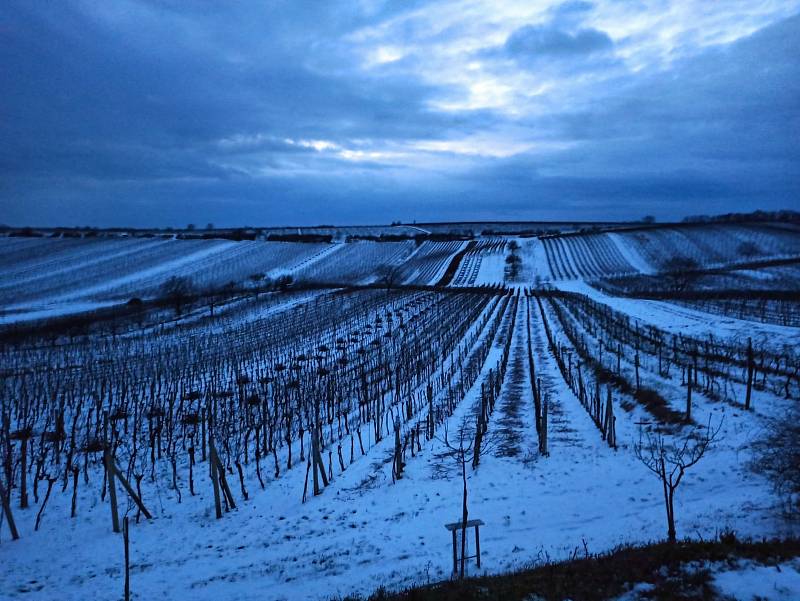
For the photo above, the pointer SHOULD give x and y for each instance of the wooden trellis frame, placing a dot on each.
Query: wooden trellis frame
(454, 528)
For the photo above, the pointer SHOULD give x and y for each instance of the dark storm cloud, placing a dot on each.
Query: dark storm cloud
(165, 112)
(85, 97)
(545, 41)
(561, 43)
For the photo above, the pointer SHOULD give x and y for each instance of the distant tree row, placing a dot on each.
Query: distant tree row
(513, 262)
(784, 215)
(178, 291)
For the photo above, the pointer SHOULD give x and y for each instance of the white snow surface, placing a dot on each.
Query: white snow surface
(675, 318)
(308, 262)
(492, 269)
(364, 531)
(534, 260)
(162, 268)
(750, 581)
(630, 255)
(31, 313)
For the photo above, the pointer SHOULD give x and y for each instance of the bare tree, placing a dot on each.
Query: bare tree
(177, 290)
(388, 275)
(681, 273)
(283, 282)
(670, 461)
(748, 249)
(459, 451)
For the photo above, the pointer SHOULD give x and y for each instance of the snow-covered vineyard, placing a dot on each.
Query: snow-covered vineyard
(301, 420)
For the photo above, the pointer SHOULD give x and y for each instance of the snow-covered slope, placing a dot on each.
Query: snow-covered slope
(367, 531)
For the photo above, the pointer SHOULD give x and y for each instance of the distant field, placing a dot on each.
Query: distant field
(44, 273)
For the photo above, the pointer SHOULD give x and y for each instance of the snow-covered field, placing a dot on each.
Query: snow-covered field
(677, 319)
(634, 251)
(369, 360)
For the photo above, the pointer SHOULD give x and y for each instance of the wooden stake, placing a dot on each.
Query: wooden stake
(112, 490)
(314, 455)
(129, 489)
(543, 442)
(75, 473)
(478, 544)
(23, 487)
(455, 553)
(750, 370)
(127, 559)
(226, 490)
(305, 486)
(203, 434)
(7, 509)
(212, 466)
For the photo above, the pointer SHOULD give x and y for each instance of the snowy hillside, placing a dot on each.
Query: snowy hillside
(303, 443)
(629, 251)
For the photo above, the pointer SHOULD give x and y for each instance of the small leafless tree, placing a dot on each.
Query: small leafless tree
(459, 451)
(389, 276)
(177, 291)
(681, 273)
(670, 461)
(283, 282)
(748, 249)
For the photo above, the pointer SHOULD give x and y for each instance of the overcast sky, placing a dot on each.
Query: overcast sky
(165, 112)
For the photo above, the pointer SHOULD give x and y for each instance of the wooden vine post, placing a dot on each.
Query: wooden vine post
(688, 393)
(317, 465)
(23, 495)
(609, 423)
(219, 481)
(431, 422)
(6, 504)
(114, 474)
(125, 538)
(212, 466)
(476, 452)
(22, 436)
(112, 490)
(398, 453)
(750, 371)
(543, 434)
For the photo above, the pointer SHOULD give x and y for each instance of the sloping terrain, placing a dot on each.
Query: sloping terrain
(647, 250)
(335, 417)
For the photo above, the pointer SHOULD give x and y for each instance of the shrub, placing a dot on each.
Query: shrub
(778, 457)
